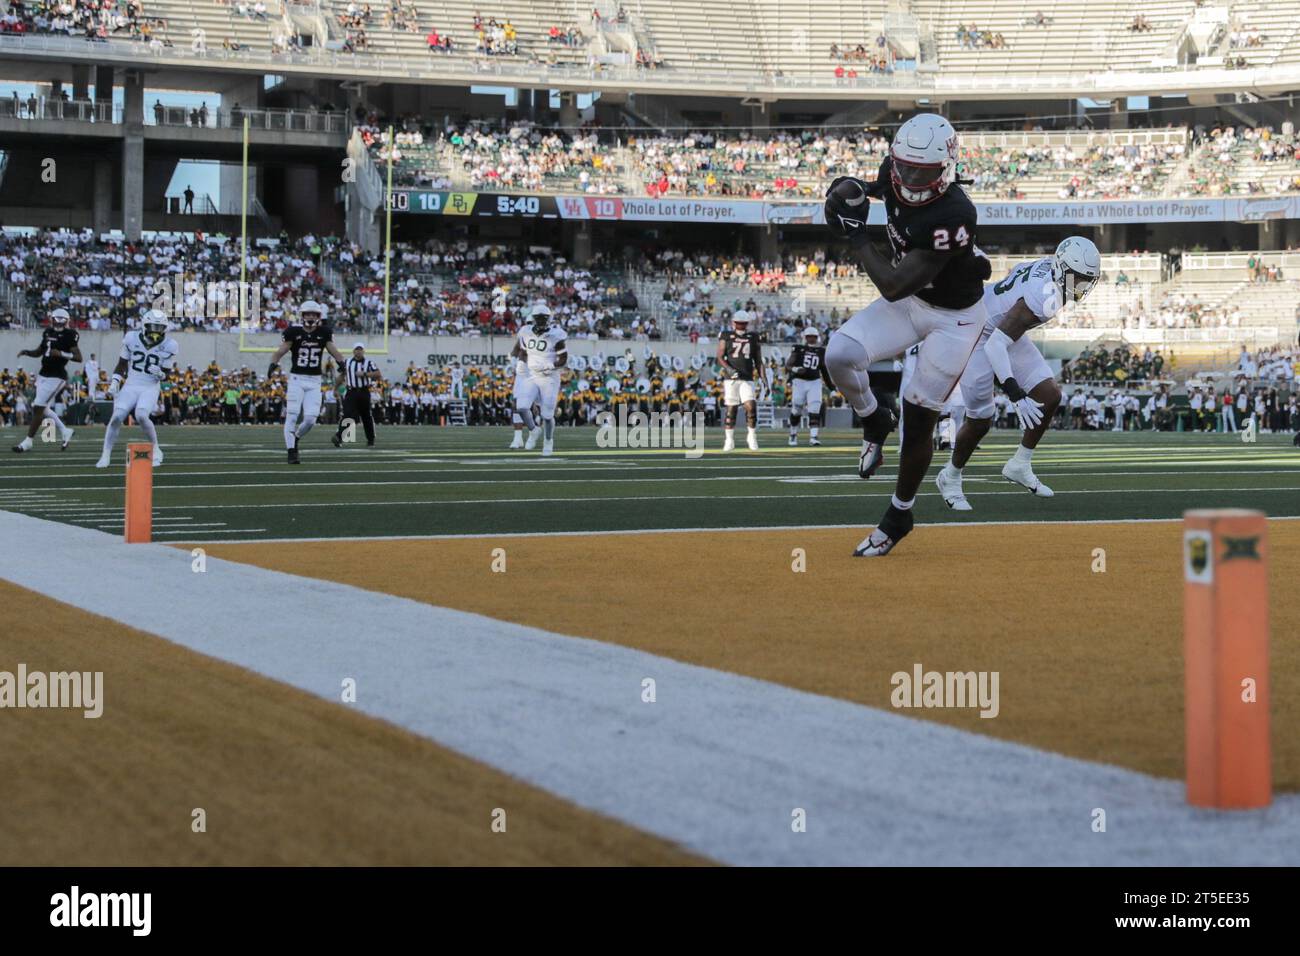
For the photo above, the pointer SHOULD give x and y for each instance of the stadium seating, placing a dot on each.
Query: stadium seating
(219, 22)
(792, 163)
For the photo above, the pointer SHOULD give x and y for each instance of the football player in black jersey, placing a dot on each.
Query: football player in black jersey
(58, 347)
(931, 283)
(807, 368)
(307, 344)
(740, 354)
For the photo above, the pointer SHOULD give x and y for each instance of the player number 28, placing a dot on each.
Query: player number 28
(145, 362)
(943, 240)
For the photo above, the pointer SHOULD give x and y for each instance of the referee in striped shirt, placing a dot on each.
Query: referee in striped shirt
(360, 373)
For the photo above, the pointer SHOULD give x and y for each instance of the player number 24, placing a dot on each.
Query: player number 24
(943, 239)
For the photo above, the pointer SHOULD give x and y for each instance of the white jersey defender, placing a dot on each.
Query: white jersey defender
(147, 356)
(1032, 283)
(542, 349)
(1031, 294)
(539, 382)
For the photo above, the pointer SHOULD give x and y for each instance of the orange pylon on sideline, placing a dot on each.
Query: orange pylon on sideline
(139, 493)
(1225, 652)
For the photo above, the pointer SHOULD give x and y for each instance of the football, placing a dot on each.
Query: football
(846, 206)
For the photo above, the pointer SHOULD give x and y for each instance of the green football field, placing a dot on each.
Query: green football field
(230, 483)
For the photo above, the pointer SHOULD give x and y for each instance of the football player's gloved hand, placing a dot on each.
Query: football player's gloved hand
(1029, 411)
(114, 386)
(847, 204)
(274, 367)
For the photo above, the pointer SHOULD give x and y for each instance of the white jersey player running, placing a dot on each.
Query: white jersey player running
(542, 346)
(521, 370)
(148, 356)
(1031, 294)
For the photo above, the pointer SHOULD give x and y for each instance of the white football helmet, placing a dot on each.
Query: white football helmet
(740, 320)
(1076, 267)
(59, 319)
(154, 326)
(539, 313)
(810, 335)
(312, 314)
(924, 155)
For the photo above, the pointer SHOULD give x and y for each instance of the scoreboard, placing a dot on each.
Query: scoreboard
(497, 205)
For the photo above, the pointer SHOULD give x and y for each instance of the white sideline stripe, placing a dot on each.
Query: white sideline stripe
(577, 497)
(157, 533)
(717, 765)
(727, 530)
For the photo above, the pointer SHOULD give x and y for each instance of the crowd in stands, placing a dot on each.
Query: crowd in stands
(1118, 364)
(106, 284)
(524, 156)
(355, 20)
(783, 164)
(91, 19)
(973, 38)
(796, 163)
(1243, 36)
(568, 36)
(439, 42)
(780, 164)
(1221, 150)
(494, 37)
(877, 60)
(462, 288)
(402, 15)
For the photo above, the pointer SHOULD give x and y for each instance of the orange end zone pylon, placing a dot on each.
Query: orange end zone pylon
(139, 493)
(1225, 652)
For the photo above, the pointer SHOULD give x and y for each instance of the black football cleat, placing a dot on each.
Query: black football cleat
(893, 528)
(336, 440)
(875, 431)
(293, 455)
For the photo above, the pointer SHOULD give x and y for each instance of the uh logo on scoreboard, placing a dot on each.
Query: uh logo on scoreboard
(591, 207)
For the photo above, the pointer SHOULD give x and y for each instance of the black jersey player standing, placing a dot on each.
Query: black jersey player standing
(58, 347)
(807, 368)
(740, 353)
(931, 284)
(307, 344)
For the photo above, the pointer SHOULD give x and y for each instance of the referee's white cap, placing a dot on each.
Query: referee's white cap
(358, 345)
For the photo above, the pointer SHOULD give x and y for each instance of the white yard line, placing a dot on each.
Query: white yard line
(718, 764)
